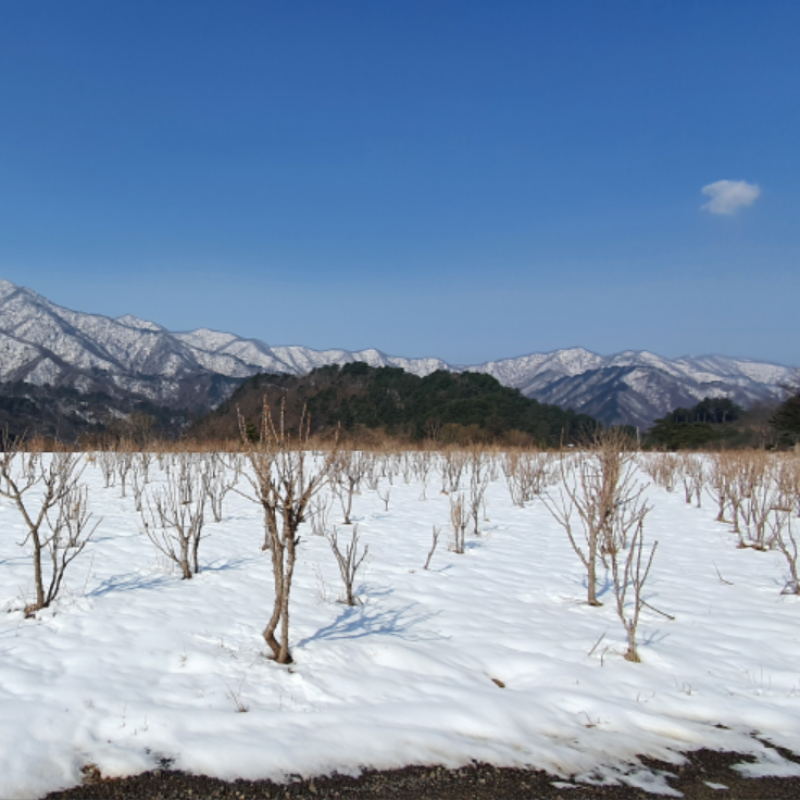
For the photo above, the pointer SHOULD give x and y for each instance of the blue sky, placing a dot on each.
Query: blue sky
(471, 180)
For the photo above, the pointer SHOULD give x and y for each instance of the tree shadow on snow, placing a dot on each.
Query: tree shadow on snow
(602, 588)
(356, 622)
(224, 564)
(21, 559)
(654, 637)
(130, 582)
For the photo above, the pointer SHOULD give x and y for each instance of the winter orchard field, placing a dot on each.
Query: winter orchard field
(492, 653)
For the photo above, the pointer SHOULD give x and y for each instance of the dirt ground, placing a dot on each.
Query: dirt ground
(703, 776)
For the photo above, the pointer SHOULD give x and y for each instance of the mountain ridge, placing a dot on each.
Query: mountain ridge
(43, 343)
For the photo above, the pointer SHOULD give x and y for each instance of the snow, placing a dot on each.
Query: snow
(133, 665)
(524, 370)
(43, 373)
(135, 322)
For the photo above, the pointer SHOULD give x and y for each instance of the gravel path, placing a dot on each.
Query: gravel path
(703, 776)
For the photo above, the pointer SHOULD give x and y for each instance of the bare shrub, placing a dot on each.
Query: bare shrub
(406, 467)
(629, 568)
(762, 506)
(597, 483)
(459, 519)
(478, 484)
(372, 471)
(106, 460)
(349, 469)
(217, 482)
(453, 463)
(756, 490)
(124, 464)
(423, 465)
(692, 472)
(527, 474)
(138, 481)
(434, 542)
(348, 561)
(720, 484)
(144, 460)
(391, 466)
(792, 478)
(747, 474)
(320, 508)
(175, 516)
(785, 540)
(663, 469)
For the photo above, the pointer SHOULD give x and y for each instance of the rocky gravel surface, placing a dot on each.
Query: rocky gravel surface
(706, 774)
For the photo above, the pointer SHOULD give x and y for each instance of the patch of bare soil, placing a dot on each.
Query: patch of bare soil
(706, 774)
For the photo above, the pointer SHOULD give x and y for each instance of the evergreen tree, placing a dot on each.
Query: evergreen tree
(786, 419)
(699, 426)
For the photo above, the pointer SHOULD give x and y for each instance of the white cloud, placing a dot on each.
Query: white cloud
(727, 197)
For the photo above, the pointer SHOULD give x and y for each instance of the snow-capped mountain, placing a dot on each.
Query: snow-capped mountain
(43, 343)
(636, 387)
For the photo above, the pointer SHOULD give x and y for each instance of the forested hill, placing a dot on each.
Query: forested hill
(446, 406)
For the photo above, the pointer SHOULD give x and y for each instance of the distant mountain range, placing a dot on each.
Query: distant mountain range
(42, 343)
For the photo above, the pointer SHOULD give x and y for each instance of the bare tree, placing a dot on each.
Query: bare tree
(284, 477)
(348, 561)
(47, 492)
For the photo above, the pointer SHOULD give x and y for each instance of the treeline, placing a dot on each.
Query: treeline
(719, 423)
(367, 404)
(363, 402)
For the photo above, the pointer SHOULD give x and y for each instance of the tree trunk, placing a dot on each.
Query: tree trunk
(591, 579)
(276, 551)
(631, 654)
(285, 656)
(37, 571)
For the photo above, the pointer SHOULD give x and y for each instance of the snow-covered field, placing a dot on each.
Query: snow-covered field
(132, 664)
